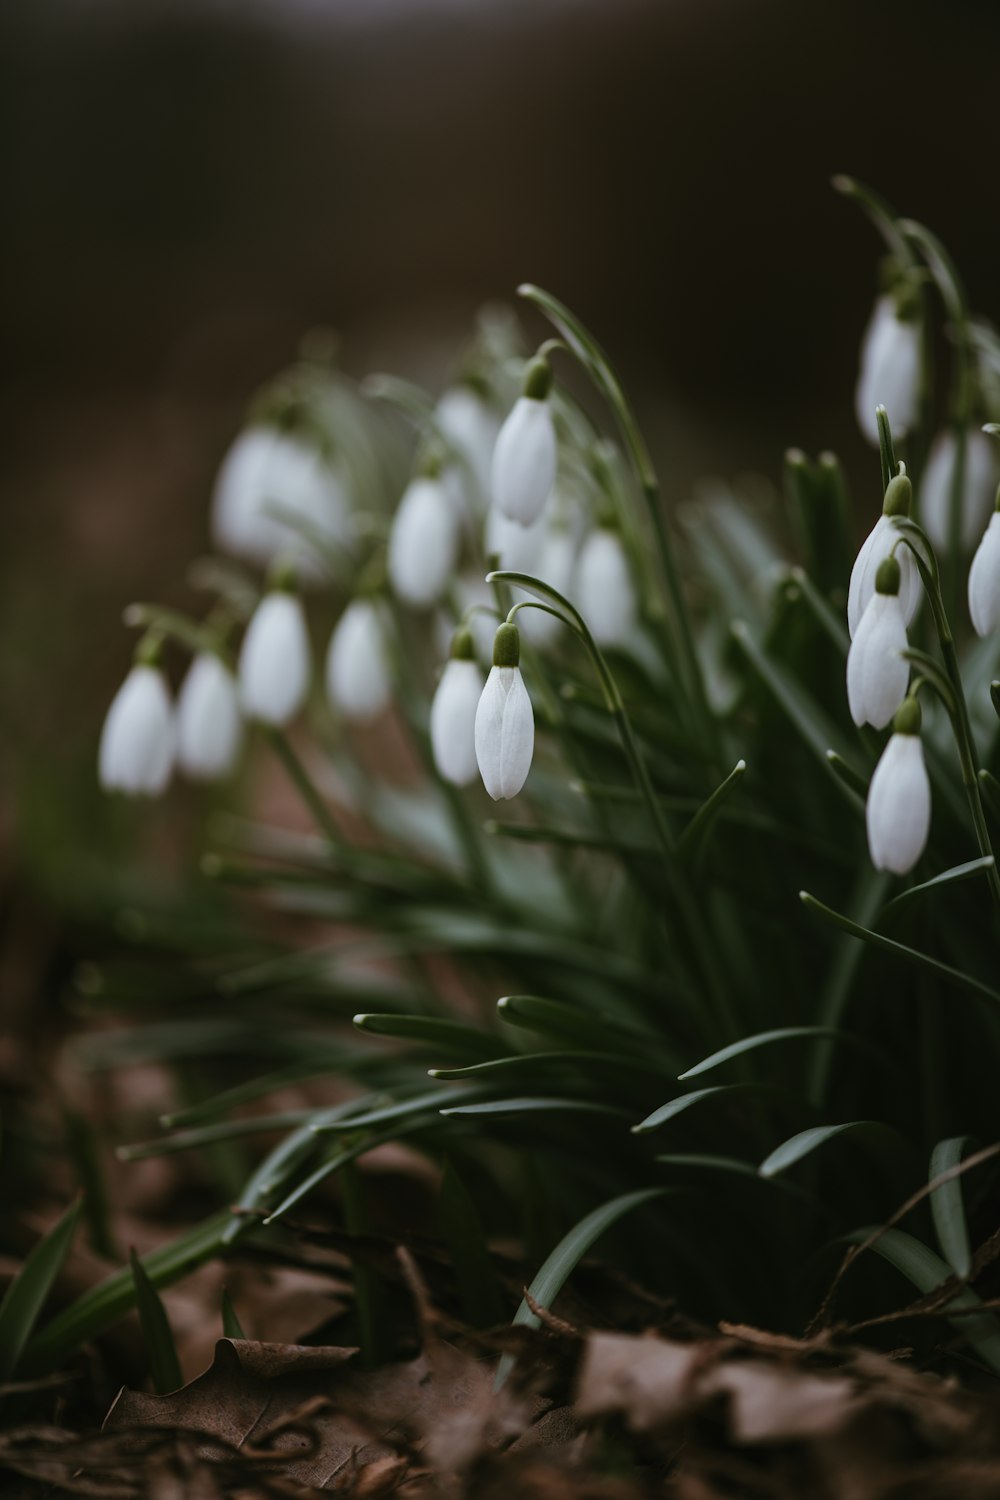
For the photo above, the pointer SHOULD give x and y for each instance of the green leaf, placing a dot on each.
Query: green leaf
(947, 1207)
(927, 1272)
(691, 844)
(674, 1107)
(807, 1141)
(164, 1366)
(528, 1106)
(550, 1062)
(341, 1156)
(399, 1109)
(104, 1305)
(954, 876)
(207, 1135)
(450, 1036)
(571, 1023)
(900, 950)
(28, 1292)
(768, 1038)
(231, 1325)
(550, 1279)
(478, 1287)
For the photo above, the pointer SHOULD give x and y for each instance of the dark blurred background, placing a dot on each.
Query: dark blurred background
(189, 186)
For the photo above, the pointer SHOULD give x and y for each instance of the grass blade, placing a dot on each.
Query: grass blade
(164, 1366)
(674, 1107)
(767, 1039)
(232, 1328)
(537, 1106)
(691, 844)
(450, 1036)
(807, 1141)
(954, 876)
(947, 1207)
(28, 1292)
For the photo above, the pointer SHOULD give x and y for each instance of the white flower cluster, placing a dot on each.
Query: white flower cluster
(281, 501)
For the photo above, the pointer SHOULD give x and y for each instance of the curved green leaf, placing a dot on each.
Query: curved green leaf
(164, 1366)
(691, 843)
(954, 876)
(767, 1039)
(28, 1292)
(947, 1208)
(807, 1141)
(532, 1106)
(674, 1107)
(450, 1036)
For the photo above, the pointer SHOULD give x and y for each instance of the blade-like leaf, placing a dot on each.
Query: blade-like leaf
(536, 1106)
(807, 1141)
(947, 1207)
(164, 1366)
(231, 1325)
(571, 1249)
(449, 1036)
(692, 841)
(768, 1038)
(674, 1107)
(954, 876)
(28, 1292)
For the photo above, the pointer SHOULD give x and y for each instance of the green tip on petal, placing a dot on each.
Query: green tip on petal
(888, 576)
(462, 645)
(537, 379)
(507, 646)
(898, 496)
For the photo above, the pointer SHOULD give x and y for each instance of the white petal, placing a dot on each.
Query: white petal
(978, 488)
(877, 674)
(358, 678)
(898, 812)
(605, 593)
(890, 371)
(984, 581)
(453, 721)
(516, 547)
(524, 461)
(137, 741)
(267, 471)
(505, 733)
(209, 719)
(470, 427)
(274, 660)
(874, 550)
(423, 543)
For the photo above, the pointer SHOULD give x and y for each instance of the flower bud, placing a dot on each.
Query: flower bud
(137, 742)
(275, 659)
(984, 581)
(898, 811)
(876, 546)
(423, 542)
(978, 485)
(209, 719)
(267, 471)
(877, 674)
(605, 592)
(505, 725)
(453, 714)
(890, 370)
(358, 677)
(524, 459)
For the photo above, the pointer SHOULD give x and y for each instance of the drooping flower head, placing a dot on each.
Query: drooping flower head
(890, 366)
(453, 713)
(424, 540)
(605, 591)
(209, 719)
(524, 459)
(505, 724)
(984, 578)
(275, 659)
(875, 548)
(138, 739)
(898, 811)
(358, 673)
(877, 672)
(979, 480)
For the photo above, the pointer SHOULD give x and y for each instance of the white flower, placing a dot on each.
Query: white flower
(358, 679)
(423, 542)
(898, 812)
(524, 459)
(275, 659)
(605, 592)
(979, 484)
(875, 549)
(209, 719)
(517, 548)
(876, 672)
(984, 581)
(267, 471)
(137, 741)
(555, 565)
(471, 428)
(505, 724)
(890, 371)
(453, 720)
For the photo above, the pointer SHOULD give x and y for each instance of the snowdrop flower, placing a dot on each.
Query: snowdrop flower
(137, 741)
(875, 549)
(979, 483)
(471, 429)
(605, 592)
(984, 580)
(876, 672)
(209, 719)
(898, 812)
(267, 471)
(275, 659)
(505, 724)
(453, 713)
(555, 565)
(517, 548)
(524, 459)
(358, 677)
(424, 542)
(890, 370)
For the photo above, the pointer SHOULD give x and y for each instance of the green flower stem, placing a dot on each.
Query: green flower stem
(303, 783)
(958, 711)
(593, 359)
(687, 908)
